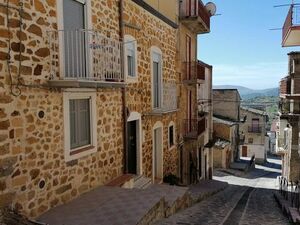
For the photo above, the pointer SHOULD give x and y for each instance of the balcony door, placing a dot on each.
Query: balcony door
(191, 7)
(255, 125)
(157, 81)
(75, 39)
(188, 57)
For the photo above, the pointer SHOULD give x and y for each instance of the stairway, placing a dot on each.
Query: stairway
(141, 182)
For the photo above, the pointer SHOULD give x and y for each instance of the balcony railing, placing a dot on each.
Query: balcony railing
(252, 129)
(84, 55)
(193, 72)
(192, 128)
(195, 16)
(289, 107)
(168, 101)
(291, 27)
(285, 86)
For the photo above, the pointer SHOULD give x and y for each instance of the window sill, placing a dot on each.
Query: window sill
(131, 79)
(80, 150)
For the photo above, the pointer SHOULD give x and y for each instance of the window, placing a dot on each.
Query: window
(250, 140)
(79, 124)
(255, 125)
(171, 135)
(156, 78)
(130, 56)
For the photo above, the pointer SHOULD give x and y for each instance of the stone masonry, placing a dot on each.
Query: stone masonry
(34, 176)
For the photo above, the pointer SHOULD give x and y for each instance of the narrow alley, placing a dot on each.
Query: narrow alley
(248, 200)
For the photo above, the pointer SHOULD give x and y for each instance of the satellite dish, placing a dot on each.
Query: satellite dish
(211, 8)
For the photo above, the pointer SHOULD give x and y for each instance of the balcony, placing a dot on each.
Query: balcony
(168, 101)
(285, 86)
(192, 128)
(291, 28)
(289, 107)
(193, 73)
(194, 15)
(84, 58)
(252, 129)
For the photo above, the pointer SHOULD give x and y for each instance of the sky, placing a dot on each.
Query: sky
(241, 47)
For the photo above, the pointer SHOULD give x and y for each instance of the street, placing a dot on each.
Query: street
(248, 200)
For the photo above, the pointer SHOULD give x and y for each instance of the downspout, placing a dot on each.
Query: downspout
(121, 37)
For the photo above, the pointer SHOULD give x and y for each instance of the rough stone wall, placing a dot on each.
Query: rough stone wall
(31, 147)
(152, 32)
(226, 103)
(222, 131)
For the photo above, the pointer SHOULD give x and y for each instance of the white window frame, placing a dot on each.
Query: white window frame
(155, 50)
(92, 147)
(60, 27)
(171, 124)
(130, 41)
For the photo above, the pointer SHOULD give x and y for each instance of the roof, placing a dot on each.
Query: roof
(204, 64)
(294, 53)
(224, 121)
(221, 144)
(256, 111)
(228, 90)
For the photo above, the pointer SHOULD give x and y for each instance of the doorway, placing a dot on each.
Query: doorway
(244, 151)
(132, 147)
(157, 153)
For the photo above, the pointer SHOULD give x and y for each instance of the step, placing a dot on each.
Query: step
(141, 182)
(121, 180)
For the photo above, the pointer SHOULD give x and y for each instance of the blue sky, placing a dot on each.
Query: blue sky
(241, 47)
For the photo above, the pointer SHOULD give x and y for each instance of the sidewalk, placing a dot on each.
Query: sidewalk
(114, 205)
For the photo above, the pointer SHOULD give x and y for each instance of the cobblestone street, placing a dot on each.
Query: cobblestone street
(248, 200)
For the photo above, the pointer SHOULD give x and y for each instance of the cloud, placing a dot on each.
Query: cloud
(256, 76)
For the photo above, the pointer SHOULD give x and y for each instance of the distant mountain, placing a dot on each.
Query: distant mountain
(247, 93)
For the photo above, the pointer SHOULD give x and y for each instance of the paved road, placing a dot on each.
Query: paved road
(248, 200)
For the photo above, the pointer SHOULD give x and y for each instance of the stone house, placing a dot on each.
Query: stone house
(226, 107)
(195, 109)
(255, 133)
(224, 134)
(287, 142)
(88, 96)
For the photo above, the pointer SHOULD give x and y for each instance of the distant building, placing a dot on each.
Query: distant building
(254, 131)
(226, 106)
(225, 131)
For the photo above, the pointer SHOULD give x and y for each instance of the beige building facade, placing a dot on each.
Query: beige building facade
(255, 134)
(226, 106)
(195, 109)
(288, 126)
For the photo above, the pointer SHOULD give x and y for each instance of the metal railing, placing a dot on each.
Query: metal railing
(252, 129)
(291, 193)
(292, 19)
(192, 128)
(169, 97)
(193, 71)
(84, 55)
(166, 98)
(195, 8)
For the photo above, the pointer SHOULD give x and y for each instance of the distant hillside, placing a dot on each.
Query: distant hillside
(247, 93)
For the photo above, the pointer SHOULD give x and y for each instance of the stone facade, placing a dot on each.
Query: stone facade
(226, 106)
(254, 134)
(287, 142)
(34, 174)
(194, 103)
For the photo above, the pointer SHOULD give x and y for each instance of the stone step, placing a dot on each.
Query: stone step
(141, 182)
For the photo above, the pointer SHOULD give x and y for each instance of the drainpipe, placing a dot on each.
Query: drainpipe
(121, 37)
